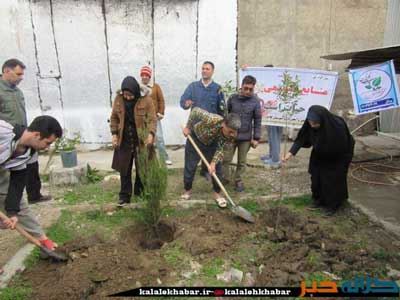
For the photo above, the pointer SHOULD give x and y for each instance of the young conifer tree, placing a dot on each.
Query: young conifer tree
(153, 174)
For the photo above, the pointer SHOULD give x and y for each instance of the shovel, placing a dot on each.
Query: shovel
(55, 256)
(237, 210)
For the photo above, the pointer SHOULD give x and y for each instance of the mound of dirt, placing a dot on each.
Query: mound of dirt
(306, 247)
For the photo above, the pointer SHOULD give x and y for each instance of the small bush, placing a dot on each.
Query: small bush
(153, 175)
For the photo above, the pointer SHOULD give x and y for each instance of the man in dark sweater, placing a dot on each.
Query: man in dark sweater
(247, 105)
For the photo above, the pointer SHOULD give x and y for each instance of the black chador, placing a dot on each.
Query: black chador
(332, 151)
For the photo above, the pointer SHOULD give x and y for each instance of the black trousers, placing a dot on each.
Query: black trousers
(33, 183)
(125, 193)
(192, 159)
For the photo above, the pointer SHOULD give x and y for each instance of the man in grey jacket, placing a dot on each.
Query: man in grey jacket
(248, 107)
(13, 111)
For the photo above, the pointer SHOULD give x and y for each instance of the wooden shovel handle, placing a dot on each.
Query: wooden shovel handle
(22, 232)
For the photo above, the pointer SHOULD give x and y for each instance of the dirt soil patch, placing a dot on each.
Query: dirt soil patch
(157, 236)
(213, 240)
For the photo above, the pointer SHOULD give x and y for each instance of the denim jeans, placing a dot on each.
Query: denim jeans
(274, 142)
(160, 142)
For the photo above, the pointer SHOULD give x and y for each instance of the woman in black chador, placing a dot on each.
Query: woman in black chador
(330, 157)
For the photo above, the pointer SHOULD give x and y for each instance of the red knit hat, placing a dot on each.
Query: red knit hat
(145, 71)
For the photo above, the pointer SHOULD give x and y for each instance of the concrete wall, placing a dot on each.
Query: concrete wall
(78, 52)
(295, 33)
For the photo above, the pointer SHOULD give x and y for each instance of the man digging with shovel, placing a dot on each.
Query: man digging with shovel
(210, 134)
(17, 146)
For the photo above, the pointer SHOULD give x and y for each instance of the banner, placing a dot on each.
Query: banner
(374, 88)
(317, 87)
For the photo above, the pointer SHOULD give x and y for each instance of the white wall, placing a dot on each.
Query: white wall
(130, 41)
(80, 38)
(47, 64)
(78, 52)
(217, 37)
(175, 59)
(16, 36)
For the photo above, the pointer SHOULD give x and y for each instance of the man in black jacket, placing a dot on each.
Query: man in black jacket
(247, 105)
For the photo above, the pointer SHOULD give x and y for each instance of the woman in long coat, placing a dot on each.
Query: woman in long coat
(132, 115)
(332, 151)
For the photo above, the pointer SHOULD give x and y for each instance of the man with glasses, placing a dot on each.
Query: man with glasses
(248, 107)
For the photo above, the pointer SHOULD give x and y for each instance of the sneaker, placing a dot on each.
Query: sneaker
(272, 164)
(168, 162)
(42, 198)
(239, 186)
(265, 157)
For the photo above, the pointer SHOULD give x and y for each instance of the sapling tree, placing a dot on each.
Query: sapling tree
(288, 94)
(228, 90)
(153, 175)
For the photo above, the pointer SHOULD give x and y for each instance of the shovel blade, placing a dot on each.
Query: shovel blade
(242, 213)
(53, 255)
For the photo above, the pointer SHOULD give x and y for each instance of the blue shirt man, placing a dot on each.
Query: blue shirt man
(205, 93)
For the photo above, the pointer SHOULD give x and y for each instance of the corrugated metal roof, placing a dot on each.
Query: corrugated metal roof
(369, 57)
